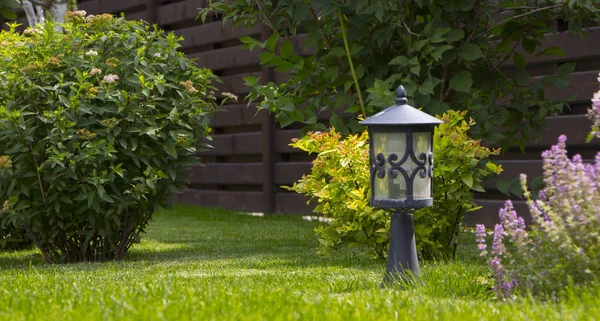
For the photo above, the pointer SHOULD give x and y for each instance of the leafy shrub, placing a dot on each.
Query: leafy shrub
(339, 181)
(98, 126)
(562, 246)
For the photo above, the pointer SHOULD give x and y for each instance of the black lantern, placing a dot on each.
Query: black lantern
(401, 152)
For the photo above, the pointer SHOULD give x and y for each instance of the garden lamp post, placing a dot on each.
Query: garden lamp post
(401, 162)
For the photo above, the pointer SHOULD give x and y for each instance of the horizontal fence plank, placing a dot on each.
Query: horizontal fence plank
(246, 173)
(575, 127)
(226, 58)
(575, 48)
(212, 32)
(237, 201)
(488, 214)
(118, 6)
(237, 115)
(293, 203)
(514, 168)
(226, 174)
(290, 172)
(179, 11)
(582, 84)
(235, 84)
(283, 139)
(91, 7)
(235, 144)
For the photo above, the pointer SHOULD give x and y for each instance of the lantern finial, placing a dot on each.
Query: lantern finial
(401, 96)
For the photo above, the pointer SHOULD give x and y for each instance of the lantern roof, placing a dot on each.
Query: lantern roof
(401, 114)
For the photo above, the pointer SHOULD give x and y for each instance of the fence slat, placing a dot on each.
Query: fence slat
(226, 174)
(213, 32)
(582, 84)
(235, 144)
(488, 215)
(292, 203)
(226, 58)
(237, 115)
(179, 11)
(233, 200)
(235, 84)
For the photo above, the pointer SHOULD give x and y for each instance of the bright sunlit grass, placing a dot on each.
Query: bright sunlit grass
(199, 264)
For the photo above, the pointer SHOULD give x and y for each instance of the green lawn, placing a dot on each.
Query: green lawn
(196, 264)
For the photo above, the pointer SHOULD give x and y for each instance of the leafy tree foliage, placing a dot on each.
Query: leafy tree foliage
(448, 54)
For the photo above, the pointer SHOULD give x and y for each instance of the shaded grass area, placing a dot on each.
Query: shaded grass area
(200, 264)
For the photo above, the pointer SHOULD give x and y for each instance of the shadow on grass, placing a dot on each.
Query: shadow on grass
(10, 259)
(192, 234)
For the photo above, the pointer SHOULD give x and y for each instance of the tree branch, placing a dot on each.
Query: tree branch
(328, 41)
(523, 15)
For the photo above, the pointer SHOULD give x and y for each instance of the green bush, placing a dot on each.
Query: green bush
(339, 181)
(98, 126)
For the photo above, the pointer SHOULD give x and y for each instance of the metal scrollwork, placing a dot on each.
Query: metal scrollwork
(423, 171)
(430, 161)
(378, 165)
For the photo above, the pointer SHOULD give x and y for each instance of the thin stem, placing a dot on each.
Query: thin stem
(264, 14)
(360, 99)
(320, 27)
(524, 15)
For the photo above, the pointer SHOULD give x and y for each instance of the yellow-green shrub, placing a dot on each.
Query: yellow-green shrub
(339, 181)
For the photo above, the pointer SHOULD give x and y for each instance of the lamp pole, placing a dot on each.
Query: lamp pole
(402, 255)
(401, 161)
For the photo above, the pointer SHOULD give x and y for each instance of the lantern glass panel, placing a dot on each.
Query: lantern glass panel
(390, 143)
(422, 186)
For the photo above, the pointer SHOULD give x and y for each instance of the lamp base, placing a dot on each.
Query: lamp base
(403, 262)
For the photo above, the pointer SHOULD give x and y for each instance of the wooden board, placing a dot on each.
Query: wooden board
(238, 201)
(210, 33)
(226, 58)
(180, 11)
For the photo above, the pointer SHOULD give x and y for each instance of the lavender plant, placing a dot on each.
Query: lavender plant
(594, 115)
(562, 246)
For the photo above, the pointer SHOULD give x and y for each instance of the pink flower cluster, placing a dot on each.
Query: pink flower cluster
(562, 244)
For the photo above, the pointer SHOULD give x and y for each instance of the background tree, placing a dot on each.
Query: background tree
(38, 10)
(449, 54)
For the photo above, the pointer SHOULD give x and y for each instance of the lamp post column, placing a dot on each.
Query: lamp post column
(402, 255)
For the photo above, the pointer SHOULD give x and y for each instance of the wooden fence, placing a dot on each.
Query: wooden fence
(251, 158)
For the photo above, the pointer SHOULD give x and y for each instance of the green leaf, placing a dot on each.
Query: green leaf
(462, 81)
(286, 49)
(439, 51)
(337, 52)
(455, 35)
(491, 166)
(415, 69)
(272, 41)
(519, 60)
(247, 39)
(265, 57)
(470, 52)
(553, 51)
(515, 187)
(301, 11)
(399, 60)
(170, 149)
(565, 69)
(250, 81)
(467, 178)
(503, 185)
(478, 188)
(8, 14)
